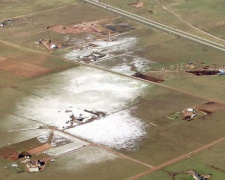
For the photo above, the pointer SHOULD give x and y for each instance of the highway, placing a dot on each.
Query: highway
(158, 26)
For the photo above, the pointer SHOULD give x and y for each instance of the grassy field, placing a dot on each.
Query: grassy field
(172, 138)
(29, 29)
(97, 164)
(177, 51)
(157, 175)
(192, 164)
(25, 7)
(209, 161)
(158, 47)
(182, 167)
(159, 50)
(37, 87)
(207, 87)
(195, 11)
(213, 157)
(206, 15)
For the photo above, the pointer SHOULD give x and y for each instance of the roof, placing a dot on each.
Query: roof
(199, 177)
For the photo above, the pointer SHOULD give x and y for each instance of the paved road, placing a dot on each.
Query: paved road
(159, 26)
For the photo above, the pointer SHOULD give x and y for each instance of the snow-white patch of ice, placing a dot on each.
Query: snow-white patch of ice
(95, 90)
(123, 69)
(102, 46)
(141, 64)
(117, 45)
(80, 88)
(119, 131)
(43, 138)
(129, 67)
(64, 116)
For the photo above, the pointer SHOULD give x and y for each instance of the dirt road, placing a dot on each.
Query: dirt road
(177, 159)
(189, 24)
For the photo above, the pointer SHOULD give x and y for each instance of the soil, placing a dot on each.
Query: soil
(148, 77)
(137, 5)
(90, 27)
(21, 68)
(203, 72)
(97, 113)
(211, 107)
(8, 153)
(2, 58)
(120, 28)
(40, 149)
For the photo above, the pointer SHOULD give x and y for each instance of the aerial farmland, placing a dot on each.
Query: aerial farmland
(112, 90)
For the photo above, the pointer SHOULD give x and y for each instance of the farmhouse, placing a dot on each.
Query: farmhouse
(189, 113)
(35, 166)
(24, 155)
(197, 176)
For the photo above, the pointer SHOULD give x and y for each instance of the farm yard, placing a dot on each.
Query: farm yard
(88, 94)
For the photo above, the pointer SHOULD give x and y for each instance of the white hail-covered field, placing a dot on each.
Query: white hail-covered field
(86, 88)
(137, 64)
(128, 67)
(119, 131)
(103, 47)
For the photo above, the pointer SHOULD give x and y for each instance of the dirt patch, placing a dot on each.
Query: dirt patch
(211, 107)
(203, 72)
(40, 149)
(2, 58)
(97, 113)
(148, 77)
(120, 28)
(23, 69)
(137, 5)
(85, 27)
(220, 23)
(9, 154)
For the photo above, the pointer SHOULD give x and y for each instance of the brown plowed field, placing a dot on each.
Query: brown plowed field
(91, 27)
(40, 149)
(211, 107)
(2, 58)
(21, 68)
